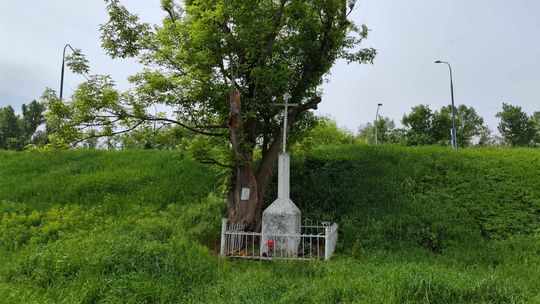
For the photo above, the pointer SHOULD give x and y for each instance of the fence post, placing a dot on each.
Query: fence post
(223, 230)
(327, 243)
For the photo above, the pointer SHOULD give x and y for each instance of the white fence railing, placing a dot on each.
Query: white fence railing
(316, 241)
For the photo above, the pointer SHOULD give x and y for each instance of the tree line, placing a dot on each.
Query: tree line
(423, 126)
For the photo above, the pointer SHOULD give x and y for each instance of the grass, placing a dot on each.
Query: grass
(417, 225)
(105, 178)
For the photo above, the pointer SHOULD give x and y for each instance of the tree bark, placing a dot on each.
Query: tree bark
(242, 210)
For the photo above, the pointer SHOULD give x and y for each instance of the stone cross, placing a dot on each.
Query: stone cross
(281, 220)
(287, 96)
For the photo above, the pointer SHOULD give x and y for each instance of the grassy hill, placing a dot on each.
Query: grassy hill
(417, 225)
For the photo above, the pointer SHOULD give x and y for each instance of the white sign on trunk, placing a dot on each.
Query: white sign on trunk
(245, 194)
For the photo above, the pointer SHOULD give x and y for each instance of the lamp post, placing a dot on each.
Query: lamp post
(63, 64)
(155, 116)
(376, 118)
(453, 131)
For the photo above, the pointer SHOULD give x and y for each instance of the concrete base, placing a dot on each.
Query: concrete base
(281, 228)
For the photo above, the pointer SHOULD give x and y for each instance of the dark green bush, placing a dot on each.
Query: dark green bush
(429, 196)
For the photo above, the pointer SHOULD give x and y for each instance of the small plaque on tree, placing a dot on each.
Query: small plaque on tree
(245, 194)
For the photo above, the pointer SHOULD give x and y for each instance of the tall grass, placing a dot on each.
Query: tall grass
(417, 225)
(108, 178)
(430, 196)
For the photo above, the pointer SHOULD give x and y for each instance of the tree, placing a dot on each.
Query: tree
(221, 65)
(386, 132)
(165, 137)
(418, 125)
(468, 125)
(487, 139)
(324, 132)
(424, 127)
(536, 119)
(33, 117)
(10, 128)
(515, 126)
(15, 131)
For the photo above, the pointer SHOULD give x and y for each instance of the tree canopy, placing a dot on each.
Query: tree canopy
(220, 65)
(18, 131)
(515, 126)
(324, 132)
(386, 132)
(425, 127)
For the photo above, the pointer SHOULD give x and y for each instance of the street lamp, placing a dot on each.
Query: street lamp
(63, 63)
(453, 131)
(376, 117)
(155, 117)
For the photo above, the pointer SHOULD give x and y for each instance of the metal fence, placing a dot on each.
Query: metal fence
(316, 241)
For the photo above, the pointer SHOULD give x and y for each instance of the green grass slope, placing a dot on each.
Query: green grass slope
(110, 178)
(417, 225)
(428, 196)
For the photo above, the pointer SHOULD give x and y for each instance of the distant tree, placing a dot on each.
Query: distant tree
(441, 124)
(487, 139)
(386, 132)
(424, 127)
(33, 117)
(91, 143)
(10, 129)
(418, 126)
(366, 132)
(536, 120)
(18, 131)
(163, 138)
(324, 132)
(468, 125)
(515, 126)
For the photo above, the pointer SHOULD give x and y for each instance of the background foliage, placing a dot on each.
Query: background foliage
(516, 127)
(16, 131)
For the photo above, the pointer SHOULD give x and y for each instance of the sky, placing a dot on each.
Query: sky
(492, 45)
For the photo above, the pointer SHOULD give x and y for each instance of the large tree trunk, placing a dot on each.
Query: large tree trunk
(246, 210)
(243, 201)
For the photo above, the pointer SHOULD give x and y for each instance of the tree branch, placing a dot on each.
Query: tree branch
(211, 161)
(170, 12)
(265, 52)
(272, 38)
(180, 124)
(106, 135)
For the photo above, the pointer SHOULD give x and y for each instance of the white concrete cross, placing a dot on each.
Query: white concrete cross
(287, 96)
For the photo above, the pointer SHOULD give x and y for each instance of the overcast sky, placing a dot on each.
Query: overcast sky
(493, 46)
